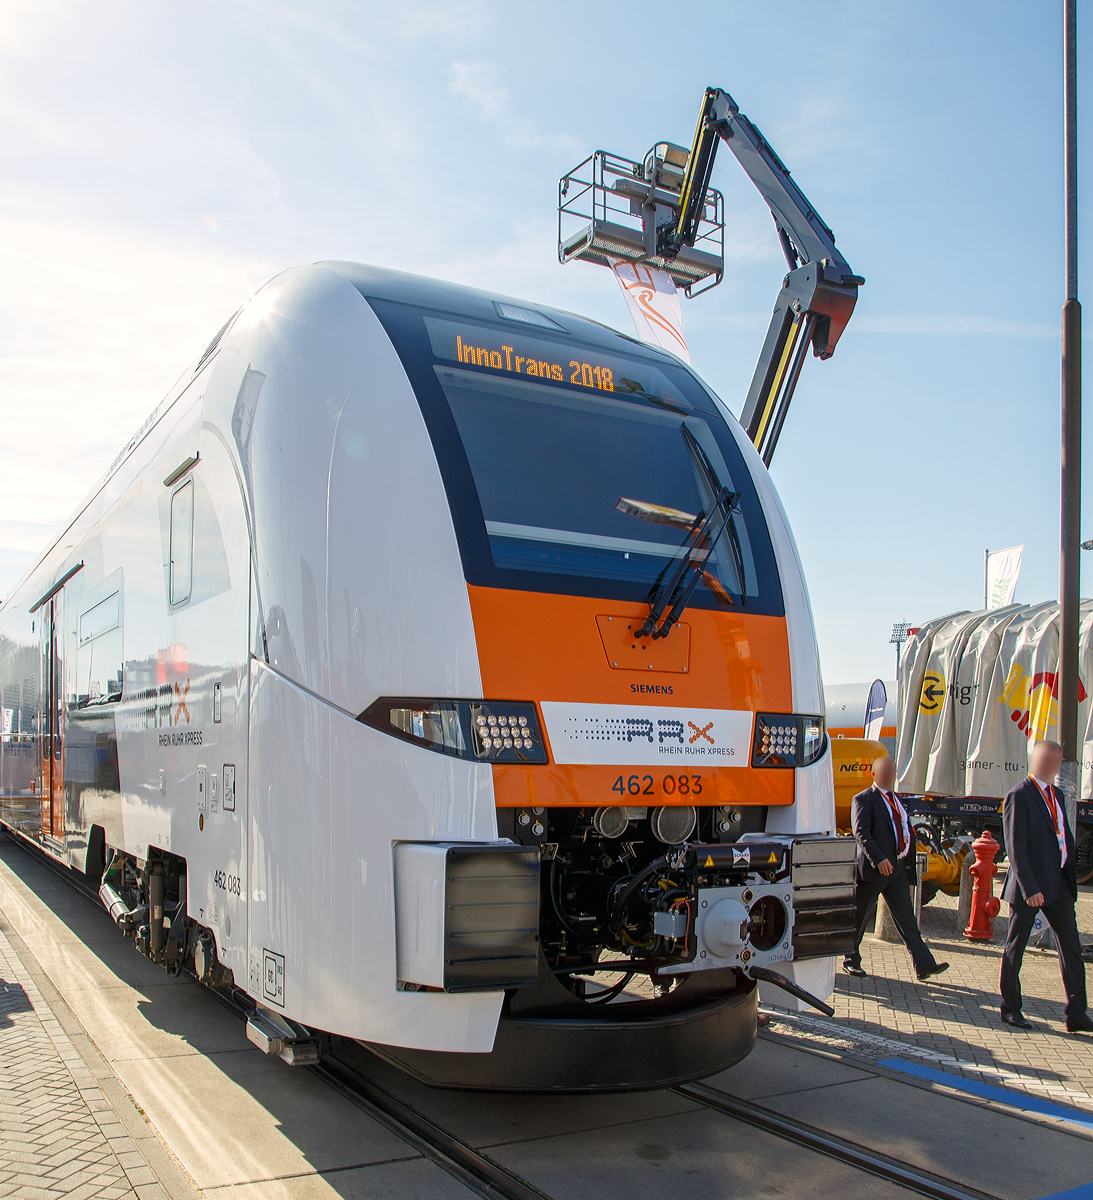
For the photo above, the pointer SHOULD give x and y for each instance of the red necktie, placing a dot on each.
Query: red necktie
(897, 821)
(1056, 817)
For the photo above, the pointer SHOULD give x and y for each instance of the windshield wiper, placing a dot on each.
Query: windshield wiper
(705, 531)
(706, 469)
(678, 588)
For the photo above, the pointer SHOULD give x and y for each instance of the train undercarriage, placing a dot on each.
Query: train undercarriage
(654, 928)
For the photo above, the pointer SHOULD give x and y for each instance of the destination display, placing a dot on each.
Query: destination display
(512, 353)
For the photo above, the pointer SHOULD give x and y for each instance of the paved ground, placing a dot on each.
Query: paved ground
(951, 1023)
(60, 1132)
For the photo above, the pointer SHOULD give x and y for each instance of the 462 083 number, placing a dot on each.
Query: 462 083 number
(670, 785)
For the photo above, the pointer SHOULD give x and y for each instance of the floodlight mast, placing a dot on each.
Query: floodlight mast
(820, 291)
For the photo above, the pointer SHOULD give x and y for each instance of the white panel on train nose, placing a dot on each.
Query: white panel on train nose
(358, 569)
(400, 616)
(329, 798)
(642, 735)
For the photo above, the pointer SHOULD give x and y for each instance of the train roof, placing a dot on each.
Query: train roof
(379, 283)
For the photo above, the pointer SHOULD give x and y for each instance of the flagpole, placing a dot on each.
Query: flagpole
(986, 560)
(1071, 440)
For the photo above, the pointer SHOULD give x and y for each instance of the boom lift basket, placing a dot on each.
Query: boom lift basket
(610, 207)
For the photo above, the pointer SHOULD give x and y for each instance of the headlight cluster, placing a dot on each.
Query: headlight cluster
(783, 740)
(504, 732)
(480, 730)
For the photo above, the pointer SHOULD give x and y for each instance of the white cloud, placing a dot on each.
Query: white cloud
(477, 83)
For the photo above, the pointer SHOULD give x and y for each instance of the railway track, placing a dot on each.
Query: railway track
(487, 1178)
(882, 1165)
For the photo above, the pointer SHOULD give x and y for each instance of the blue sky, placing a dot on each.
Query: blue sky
(161, 161)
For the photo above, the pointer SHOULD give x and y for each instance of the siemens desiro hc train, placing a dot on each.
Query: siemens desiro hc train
(437, 670)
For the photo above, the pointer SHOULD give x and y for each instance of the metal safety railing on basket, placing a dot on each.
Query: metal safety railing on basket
(611, 208)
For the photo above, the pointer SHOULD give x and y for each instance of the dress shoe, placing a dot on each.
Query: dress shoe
(1015, 1020)
(936, 969)
(1082, 1024)
(855, 969)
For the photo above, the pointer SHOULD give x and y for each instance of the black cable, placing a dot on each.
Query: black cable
(554, 902)
(928, 835)
(619, 907)
(607, 996)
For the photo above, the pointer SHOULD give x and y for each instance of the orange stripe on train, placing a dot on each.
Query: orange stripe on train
(541, 646)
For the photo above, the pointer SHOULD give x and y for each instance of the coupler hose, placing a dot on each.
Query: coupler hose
(787, 985)
(618, 909)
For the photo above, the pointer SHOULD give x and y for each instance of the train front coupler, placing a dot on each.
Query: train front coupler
(747, 905)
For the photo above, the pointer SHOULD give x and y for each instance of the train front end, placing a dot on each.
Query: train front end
(650, 711)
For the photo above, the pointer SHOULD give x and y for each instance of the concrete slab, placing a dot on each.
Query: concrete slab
(771, 1070)
(241, 1117)
(982, 1148)
(417, 1180)
(159, 1022)
(107, 968)
(703, 1156)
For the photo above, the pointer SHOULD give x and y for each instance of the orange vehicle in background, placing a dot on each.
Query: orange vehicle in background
(852, 757)
(851, 760)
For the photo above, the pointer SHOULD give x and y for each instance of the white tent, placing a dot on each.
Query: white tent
(976, 689)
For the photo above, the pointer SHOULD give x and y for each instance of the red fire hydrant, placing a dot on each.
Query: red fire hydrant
(985, 904)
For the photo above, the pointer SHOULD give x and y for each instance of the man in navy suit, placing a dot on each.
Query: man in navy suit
(886, 852)
(1041, 877)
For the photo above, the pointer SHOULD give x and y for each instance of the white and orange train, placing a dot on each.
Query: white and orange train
(342, 685)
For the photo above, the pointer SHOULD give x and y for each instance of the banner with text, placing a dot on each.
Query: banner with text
(1003, 567)
(641, 735)
(653, 302)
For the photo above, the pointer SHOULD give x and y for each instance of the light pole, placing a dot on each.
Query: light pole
(899, 636)
(1071, 494)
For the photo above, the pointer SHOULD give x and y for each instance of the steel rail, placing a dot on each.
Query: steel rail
(473, 1169)
(925, 1183)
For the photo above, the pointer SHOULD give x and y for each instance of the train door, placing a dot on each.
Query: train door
(51, 719)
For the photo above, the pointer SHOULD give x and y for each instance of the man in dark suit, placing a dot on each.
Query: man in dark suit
(886, 852)
(1041, 876)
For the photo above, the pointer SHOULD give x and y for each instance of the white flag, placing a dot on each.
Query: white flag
(653, 302)
(1003, 567)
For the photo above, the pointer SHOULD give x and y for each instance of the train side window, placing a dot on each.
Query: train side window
(182, 543)
(99, 660)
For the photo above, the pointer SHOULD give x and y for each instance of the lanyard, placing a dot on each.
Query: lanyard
(1056, 817)
(899, 822)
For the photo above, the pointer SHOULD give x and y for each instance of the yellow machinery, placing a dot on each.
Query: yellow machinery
(851, 763)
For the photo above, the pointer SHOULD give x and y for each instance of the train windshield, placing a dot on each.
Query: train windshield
(578, 469)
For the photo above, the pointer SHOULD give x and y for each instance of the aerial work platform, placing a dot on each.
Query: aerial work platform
(663, 214)
(610, 208)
